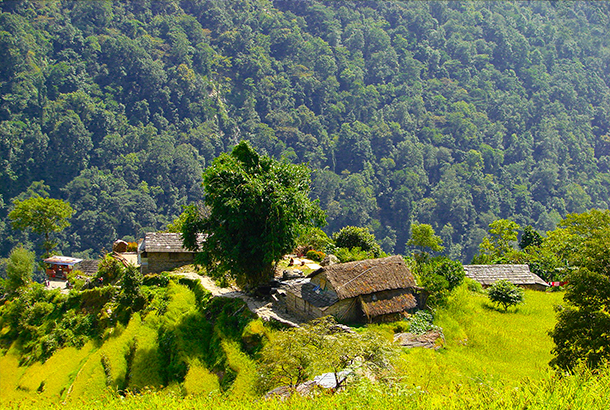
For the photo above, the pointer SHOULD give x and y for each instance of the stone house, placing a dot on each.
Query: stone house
(372, 290)
(163, 251)
(519, 275)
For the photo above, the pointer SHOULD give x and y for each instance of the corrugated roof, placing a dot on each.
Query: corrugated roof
(516, 274)
(62, 260)
(306, 290)
(164, 242)
(368, 276)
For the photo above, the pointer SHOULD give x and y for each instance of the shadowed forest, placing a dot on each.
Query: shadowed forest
(452, 114)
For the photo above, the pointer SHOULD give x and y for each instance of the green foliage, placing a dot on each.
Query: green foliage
(421, 322)
(472, 127)
(315, 238)
(352, 237)
(439, 276)
(504, 293)
(579, 335)
(423, 236)
(354, 254)
(131, 282)
(41, 215)
(257, 207)
(502, 236)
(530, 237)
(19, 269)
(315, 255)
(295, 355)
(110, 269)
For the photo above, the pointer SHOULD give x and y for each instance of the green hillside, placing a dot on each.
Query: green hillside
(448, 113)
(182, 344)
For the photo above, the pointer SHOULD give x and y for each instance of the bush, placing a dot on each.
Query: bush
(421, 322)
(314, 238)
(315, 255)
(352, 237)
(473, 286)
(440, 276)
(110, 269)
(505, 293)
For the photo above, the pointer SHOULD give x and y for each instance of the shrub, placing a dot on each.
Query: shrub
(354, 237)
(473, 286)
(314, 238)
(315, 255)
(505, 293)
(110, 269)
(440, 276)
(421, 322)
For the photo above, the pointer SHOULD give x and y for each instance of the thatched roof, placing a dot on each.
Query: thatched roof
(164, 242)
(353, 279)
(389, 301)
(487, 275)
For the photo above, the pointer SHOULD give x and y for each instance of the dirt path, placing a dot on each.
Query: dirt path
(263, 308)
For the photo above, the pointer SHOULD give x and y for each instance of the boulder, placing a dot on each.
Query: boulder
(329, 260)
(432, 339)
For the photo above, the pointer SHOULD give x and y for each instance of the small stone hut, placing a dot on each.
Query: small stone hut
(163, 251)
(373, 290)
(519, 275)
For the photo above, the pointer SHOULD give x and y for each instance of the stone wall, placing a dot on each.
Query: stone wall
(158, 262)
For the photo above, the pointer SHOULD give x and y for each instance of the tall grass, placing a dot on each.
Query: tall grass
(582, 390)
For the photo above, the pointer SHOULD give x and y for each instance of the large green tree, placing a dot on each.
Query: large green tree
(581, 333)
(43, 216)
(255, 209)
(19, 268)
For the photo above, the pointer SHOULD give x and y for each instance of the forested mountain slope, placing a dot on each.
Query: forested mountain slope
(448, 113)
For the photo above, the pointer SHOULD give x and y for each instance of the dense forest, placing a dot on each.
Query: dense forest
(452, 114)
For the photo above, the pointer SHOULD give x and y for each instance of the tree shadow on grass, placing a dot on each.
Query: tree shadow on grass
(499, 309)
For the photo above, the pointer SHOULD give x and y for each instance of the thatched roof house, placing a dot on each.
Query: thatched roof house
(163, 251)
(519, 275)
(362, 291)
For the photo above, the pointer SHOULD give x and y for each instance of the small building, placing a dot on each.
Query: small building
(519, 275)
(60, 266)
(163, 251)
(373, 290)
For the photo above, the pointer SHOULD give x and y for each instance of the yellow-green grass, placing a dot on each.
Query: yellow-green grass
(484, 344)
(549, 392)
(488, 353)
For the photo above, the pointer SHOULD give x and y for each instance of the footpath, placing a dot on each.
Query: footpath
(265, 309)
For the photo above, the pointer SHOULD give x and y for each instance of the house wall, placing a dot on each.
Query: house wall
(346, 310)
(302, 308)
(157, 262)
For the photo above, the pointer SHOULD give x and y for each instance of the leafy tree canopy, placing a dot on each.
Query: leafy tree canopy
(19, 268)
(41, 215)
(581, 333)
(351, 237)
(505, 293)
(423, 236)
(256, 208)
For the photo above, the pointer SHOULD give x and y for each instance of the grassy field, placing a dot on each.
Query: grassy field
(492, 359)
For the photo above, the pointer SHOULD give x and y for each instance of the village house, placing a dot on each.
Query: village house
(58, 267)
(372, 290)
(519, 275)
(163, 251)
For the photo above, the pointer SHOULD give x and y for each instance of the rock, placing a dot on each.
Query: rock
(432, 339)
(329, 260)
(294, 274)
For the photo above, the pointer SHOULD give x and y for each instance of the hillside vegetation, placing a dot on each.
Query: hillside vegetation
(452, 114)
(181, 344)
